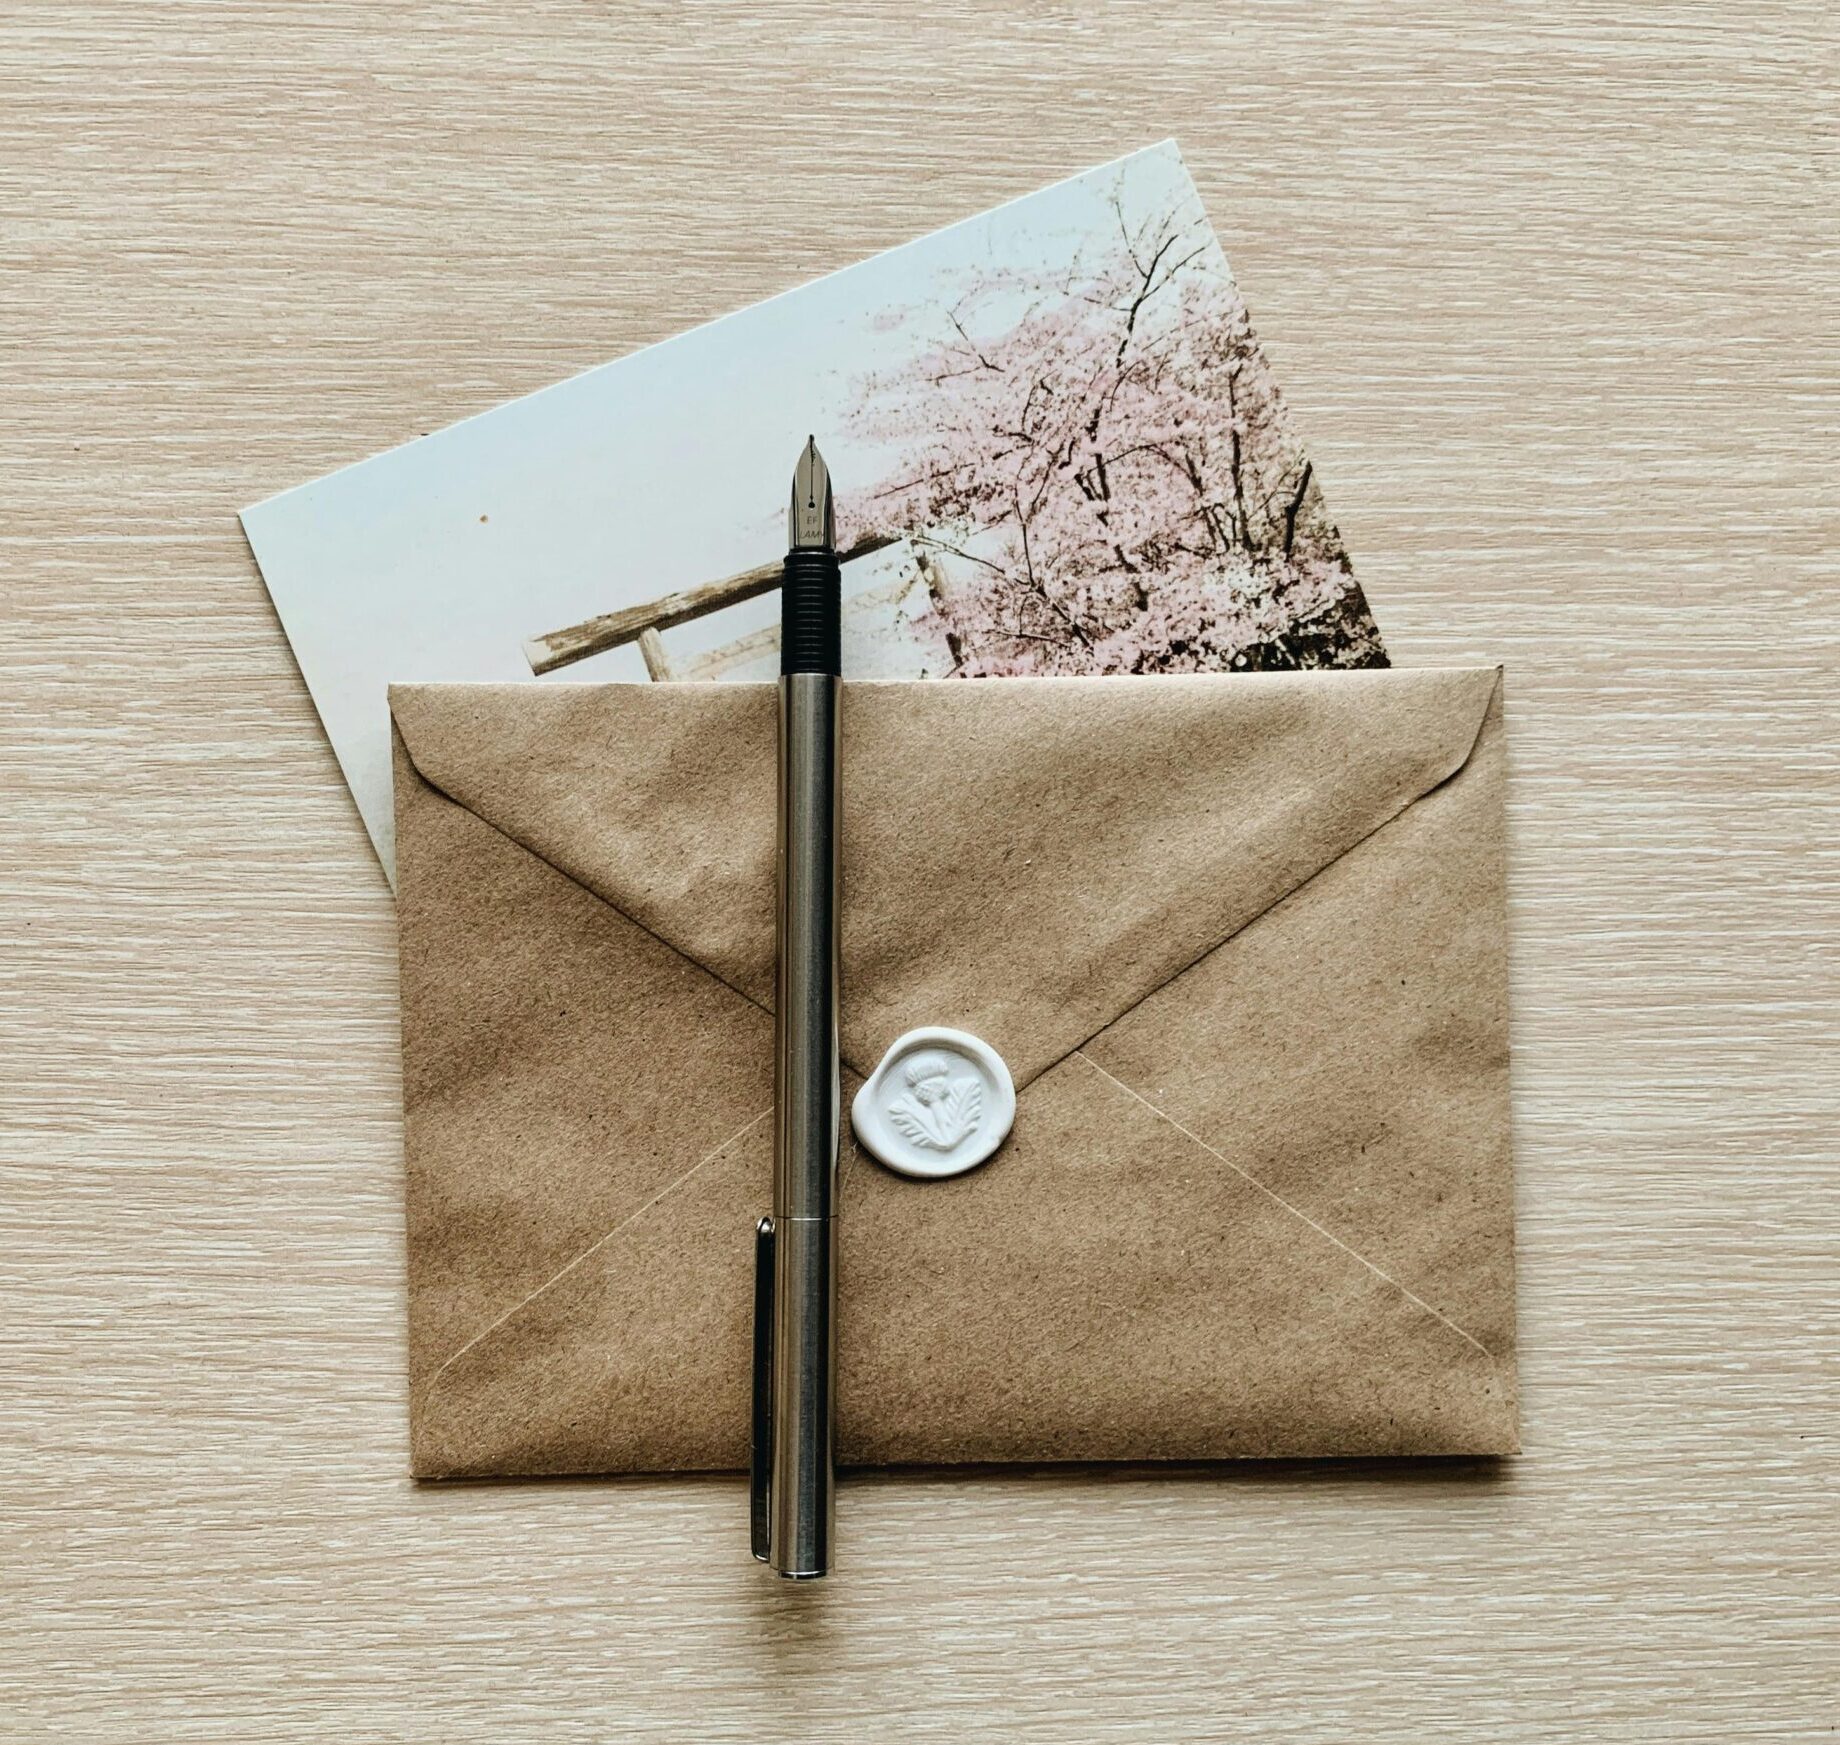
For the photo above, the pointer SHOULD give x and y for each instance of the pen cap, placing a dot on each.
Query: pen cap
(811, 611)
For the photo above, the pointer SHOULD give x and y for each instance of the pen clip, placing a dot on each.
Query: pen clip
(761, 1466)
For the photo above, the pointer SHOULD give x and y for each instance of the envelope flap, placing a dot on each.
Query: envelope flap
(658, 798)
(1026, 859)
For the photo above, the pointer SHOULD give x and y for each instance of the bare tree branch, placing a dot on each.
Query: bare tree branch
(1296, 504)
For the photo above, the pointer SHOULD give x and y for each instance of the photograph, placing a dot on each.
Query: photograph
(1056, 449)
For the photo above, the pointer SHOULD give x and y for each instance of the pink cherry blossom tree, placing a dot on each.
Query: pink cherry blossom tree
(1106, 467)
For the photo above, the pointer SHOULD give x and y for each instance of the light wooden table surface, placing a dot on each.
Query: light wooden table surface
(1552, 288)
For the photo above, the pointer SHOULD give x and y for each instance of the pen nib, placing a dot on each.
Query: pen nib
(811, 523)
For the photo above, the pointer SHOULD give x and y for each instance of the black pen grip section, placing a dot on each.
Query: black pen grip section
(811, 611)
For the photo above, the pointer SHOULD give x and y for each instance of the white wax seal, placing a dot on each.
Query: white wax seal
(939, 1104)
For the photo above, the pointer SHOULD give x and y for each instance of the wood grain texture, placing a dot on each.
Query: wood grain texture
(1552, 289)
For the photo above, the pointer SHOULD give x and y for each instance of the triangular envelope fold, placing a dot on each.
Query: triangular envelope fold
(633, 1358)
(1025, 859)
(1211, 1322)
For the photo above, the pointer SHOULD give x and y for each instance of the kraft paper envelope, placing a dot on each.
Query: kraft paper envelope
(1241, 940)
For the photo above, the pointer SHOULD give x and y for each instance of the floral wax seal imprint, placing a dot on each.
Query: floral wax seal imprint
(938, 1105)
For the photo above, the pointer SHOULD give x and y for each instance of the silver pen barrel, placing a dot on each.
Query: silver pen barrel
(796, 1289)
(805, 1141)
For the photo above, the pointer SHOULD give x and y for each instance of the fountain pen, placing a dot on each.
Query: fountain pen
(795, 1296)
